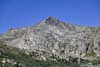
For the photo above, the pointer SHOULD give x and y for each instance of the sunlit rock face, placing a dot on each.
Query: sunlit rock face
(56, 37)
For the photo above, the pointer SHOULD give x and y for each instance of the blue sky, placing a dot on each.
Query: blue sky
(19, 13)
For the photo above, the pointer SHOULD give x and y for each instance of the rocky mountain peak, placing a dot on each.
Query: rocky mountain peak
(52, 20)
(57, 38)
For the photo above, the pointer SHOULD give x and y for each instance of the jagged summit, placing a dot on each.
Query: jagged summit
(52, 20)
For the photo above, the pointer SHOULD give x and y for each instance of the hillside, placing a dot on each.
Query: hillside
(13, 57)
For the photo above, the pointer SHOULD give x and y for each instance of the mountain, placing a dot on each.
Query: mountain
(52, 37)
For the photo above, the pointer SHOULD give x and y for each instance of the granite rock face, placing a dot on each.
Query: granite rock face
(55, 37)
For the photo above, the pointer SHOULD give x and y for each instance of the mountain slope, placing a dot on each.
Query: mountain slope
(13, 57)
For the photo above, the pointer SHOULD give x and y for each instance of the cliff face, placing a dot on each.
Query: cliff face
(57, 38)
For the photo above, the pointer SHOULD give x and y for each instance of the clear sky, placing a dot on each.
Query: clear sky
(19, 13)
